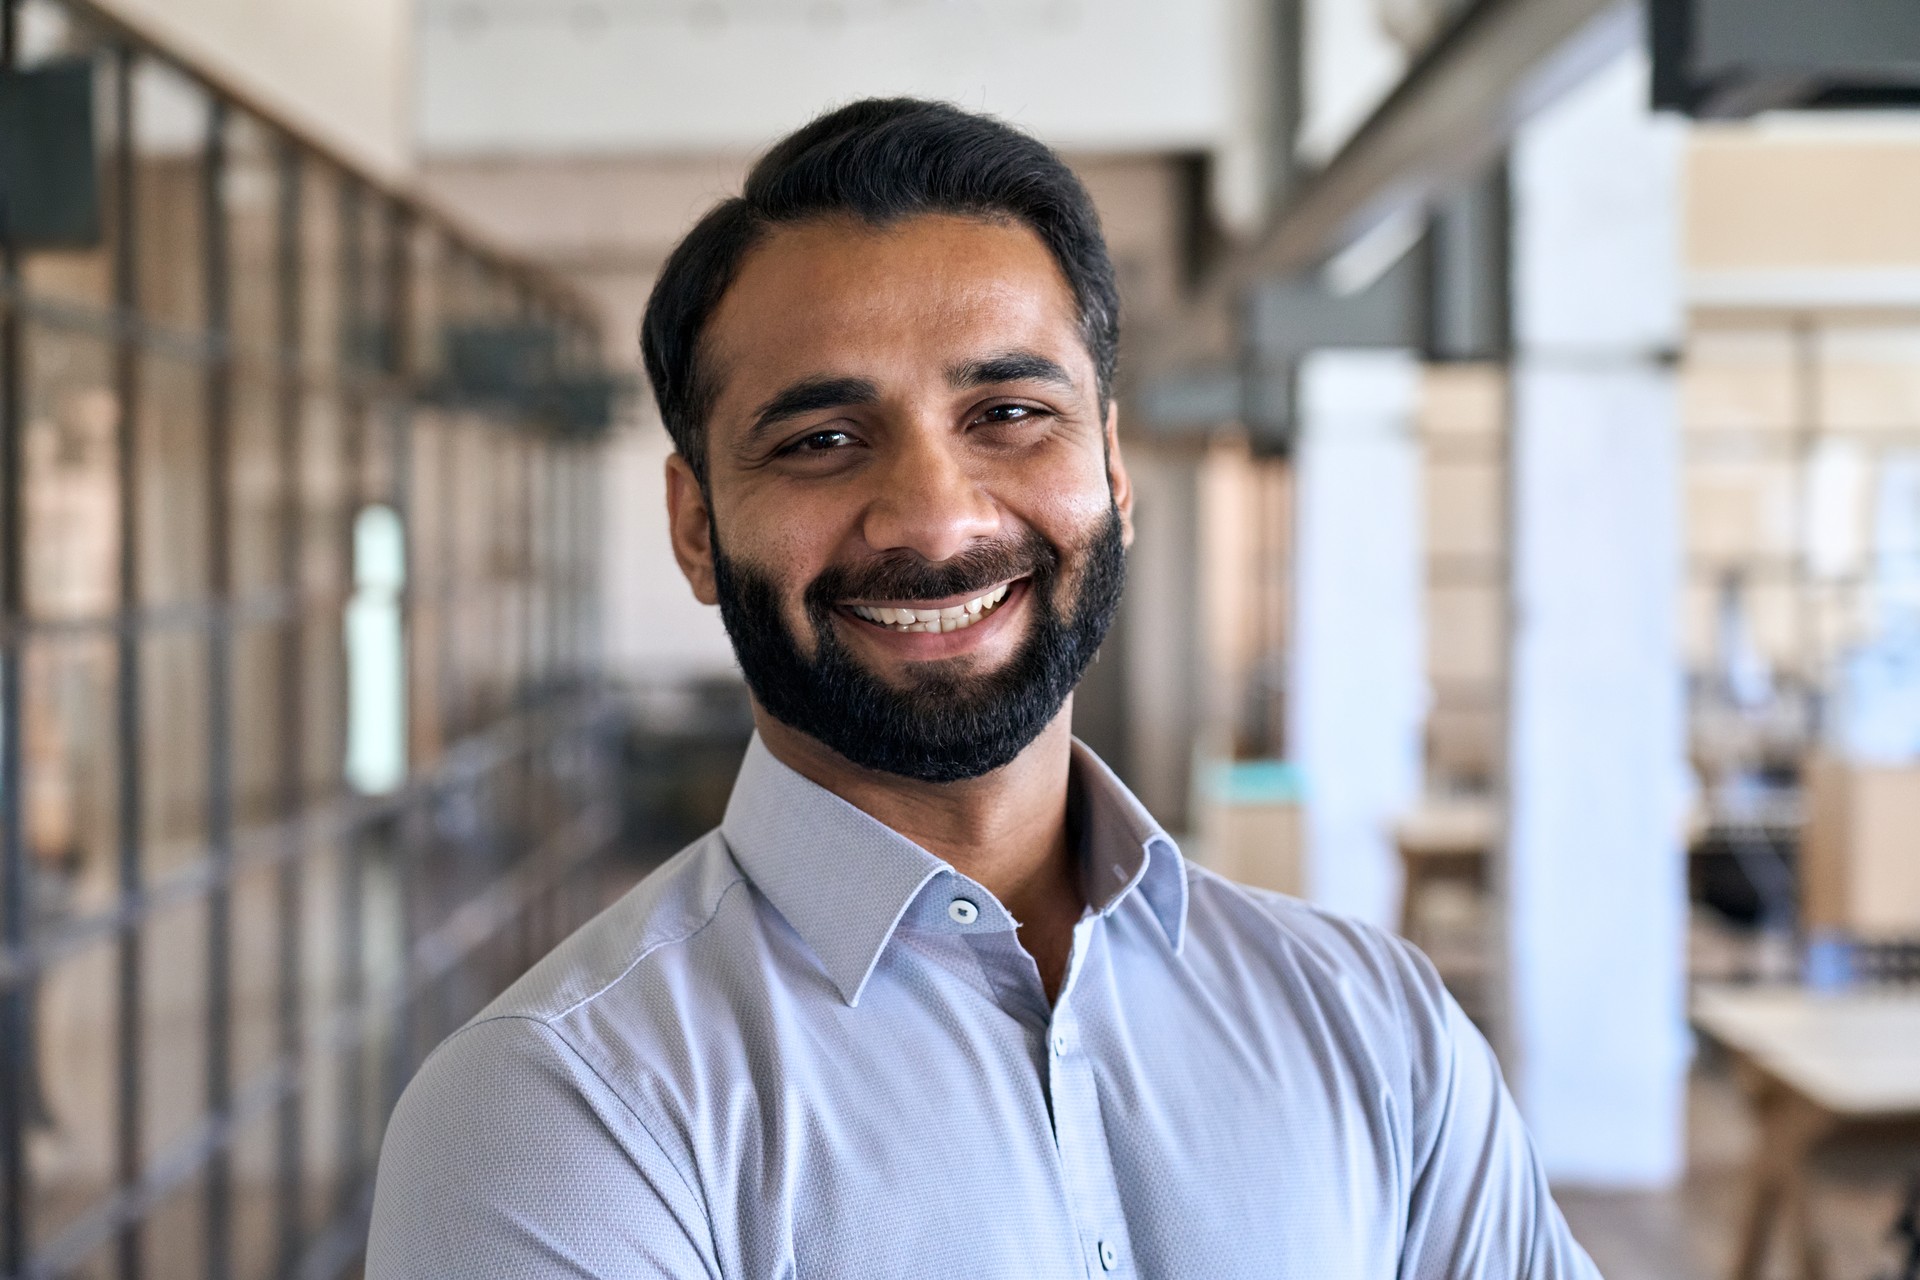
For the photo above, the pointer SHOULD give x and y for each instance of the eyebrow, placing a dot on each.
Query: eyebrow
(809, 395)
(1011, 366)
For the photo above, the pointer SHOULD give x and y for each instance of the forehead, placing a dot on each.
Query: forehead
(825, 295)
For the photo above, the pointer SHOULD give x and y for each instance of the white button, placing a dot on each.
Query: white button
(1109, 1256)
(962, 911)
(1059, 1042)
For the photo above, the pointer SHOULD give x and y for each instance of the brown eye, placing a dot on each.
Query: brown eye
(1002, 413)
(819, 442)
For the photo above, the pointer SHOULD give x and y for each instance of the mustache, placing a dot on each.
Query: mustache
(905, 575)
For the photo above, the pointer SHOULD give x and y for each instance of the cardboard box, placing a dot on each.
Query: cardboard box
(1860, 854)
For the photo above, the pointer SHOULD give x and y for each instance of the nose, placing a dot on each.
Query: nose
(927, 502)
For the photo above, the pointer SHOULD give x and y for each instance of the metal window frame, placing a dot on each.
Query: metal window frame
(519, 729)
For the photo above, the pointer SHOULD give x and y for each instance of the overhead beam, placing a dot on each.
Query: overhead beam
(1287, 318)
(1451, 116)
(1501, 62)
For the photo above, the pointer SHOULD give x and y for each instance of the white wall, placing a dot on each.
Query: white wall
(1349, 63)
(652, 627)
(340, 68)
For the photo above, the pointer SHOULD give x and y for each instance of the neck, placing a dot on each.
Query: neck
(1006, 829)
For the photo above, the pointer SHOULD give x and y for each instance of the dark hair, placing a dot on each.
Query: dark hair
(879, 160)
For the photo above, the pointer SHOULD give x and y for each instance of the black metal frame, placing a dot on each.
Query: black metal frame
(1716, 59)
(485, 854)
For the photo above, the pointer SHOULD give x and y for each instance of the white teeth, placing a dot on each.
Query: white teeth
(952, 618)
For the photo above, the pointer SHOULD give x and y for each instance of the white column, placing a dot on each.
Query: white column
(1594, 877)
(1358, 690)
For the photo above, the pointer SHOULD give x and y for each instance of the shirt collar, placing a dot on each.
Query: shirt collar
(844, 880)
(1127, 848)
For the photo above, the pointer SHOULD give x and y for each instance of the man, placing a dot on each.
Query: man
(939, 998)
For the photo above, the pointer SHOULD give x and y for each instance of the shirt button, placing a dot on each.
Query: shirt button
(1059, 1042)
(962, 911)
(1109, 1256)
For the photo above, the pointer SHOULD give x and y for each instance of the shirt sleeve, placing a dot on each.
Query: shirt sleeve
(508, 1156)
(1479, 1205)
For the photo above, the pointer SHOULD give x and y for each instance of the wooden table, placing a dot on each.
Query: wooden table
(1812, 1064)
(1452, 838)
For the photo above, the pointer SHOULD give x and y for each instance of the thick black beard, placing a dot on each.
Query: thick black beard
(949, 725)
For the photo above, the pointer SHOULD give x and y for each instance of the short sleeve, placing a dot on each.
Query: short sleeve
(1480, 1208)
(508, 1156)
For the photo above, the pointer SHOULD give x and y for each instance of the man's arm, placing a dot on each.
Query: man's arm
(508, 1156)
(1480, 1209)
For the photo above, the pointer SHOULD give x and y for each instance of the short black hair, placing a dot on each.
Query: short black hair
(879, 160)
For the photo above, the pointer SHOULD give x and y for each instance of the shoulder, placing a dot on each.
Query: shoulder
(1363, 971)
(546, 1035)
(651, 1001)
(534, 1063)
(509, 1154)
(650, 925)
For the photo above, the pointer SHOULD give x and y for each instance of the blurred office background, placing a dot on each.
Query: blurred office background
(1523, 398)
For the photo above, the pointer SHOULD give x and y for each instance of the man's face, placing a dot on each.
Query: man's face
(906, 420)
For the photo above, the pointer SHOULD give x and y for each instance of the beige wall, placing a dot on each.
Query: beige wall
(1759, 198)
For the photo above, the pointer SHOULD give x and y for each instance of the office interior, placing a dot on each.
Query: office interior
(1523, 403)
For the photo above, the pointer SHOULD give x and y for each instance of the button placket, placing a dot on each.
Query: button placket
(1086, 1161)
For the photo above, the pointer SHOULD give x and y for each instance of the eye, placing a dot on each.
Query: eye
(824, 441)
(1010, 413)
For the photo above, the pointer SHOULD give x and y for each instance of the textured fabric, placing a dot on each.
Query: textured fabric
(788, 1053)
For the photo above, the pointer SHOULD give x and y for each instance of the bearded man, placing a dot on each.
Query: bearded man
(939, 997)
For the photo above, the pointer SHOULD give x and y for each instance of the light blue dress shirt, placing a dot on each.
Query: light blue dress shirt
(806, 1047)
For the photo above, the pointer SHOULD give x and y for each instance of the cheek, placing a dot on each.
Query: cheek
(789, 543)
(1070, 513)
(1066, 503)
(794, 527)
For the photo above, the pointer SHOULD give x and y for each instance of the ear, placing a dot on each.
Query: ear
(1117, 479)
(690, 524)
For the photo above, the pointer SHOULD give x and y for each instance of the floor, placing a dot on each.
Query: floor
(1688, 1233)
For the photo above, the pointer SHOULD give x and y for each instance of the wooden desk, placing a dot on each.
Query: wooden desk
(1812, 1064)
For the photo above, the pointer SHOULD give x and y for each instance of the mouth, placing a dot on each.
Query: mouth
(928, 619)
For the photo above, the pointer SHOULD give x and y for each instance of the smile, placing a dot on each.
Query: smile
(953, 618)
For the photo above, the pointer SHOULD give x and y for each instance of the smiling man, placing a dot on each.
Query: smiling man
(939, 997)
